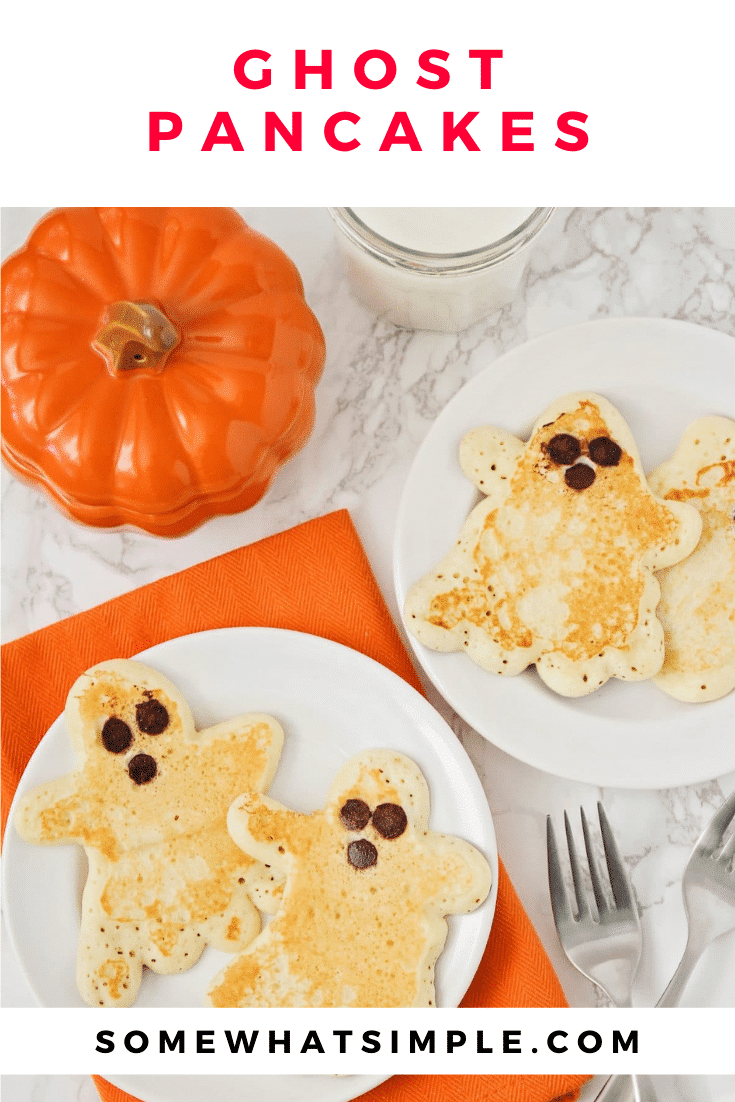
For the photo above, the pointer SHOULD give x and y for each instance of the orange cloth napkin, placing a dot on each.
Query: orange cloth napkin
(314, 578)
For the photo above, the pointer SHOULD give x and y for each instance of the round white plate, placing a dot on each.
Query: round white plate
(246, 1088)
(661, 375)
(332, 702)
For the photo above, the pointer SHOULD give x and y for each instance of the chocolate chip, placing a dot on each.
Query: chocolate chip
(564, 449)
(362, 854)
(142, 768)
(116, 735)
(390, 820)
(151, 717)
(579, 477)
(355, 814)
(605, 452)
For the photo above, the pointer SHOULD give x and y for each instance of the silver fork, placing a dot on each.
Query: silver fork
(605, 949)
(708, 888)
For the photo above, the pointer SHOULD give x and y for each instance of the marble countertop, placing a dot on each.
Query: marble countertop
(381, 390)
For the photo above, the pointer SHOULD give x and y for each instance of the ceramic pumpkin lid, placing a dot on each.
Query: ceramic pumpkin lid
(158, 366)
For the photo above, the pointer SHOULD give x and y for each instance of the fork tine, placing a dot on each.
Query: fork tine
(619, 883)
(712, 835)
(583, 907)
(597, 888)
(559, 902)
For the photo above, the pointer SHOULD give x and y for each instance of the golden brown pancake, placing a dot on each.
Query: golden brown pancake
(149, 805)
(368, 885)
(555, 565)
(697, 606)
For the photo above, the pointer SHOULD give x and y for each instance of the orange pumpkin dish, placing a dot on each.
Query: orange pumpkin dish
(159, 364)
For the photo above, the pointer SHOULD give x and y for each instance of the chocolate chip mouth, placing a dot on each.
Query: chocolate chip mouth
(142, 768)
(579, 477)
(361, 854)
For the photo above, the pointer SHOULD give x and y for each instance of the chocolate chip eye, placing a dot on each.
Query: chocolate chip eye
(580, 476)
(564, 449)
(605, 452)
(362, 854)
(151, 717)
(390, 820)
(142, 768)
(116, 735)
(355, 814)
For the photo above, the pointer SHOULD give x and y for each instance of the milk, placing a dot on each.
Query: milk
(443, 229)
(440, 268)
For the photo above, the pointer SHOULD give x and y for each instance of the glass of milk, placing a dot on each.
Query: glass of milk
(441, 268)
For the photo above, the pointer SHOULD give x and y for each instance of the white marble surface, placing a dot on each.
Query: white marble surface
(381, 390)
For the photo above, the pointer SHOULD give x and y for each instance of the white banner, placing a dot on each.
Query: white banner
(467, 103)
(298, 1042)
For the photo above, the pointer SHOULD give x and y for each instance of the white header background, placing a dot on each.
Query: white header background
(654, 79)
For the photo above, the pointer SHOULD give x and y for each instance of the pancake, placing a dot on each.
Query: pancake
(697, 606)
(149, 805)
(368, 885)
(555, 565)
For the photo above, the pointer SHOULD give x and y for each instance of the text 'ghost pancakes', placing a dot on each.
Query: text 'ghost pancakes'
(368, 885)
(697, 606)
(555, 565)
(149, 805)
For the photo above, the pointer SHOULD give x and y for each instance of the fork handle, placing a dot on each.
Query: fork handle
(678, 981)
(620, 1088)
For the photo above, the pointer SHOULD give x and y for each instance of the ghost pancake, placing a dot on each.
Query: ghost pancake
(367, 887)
(697, 606)
(149, 805)
(555, 566)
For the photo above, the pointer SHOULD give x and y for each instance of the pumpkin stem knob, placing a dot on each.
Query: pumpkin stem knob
(134, 335)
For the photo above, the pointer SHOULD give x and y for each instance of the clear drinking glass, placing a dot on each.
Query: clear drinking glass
(441, 268)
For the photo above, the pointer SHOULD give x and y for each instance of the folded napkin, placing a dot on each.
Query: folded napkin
(314, 578)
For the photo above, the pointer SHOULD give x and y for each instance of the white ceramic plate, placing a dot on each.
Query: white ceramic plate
(332, 702)
(246, 1088)
(661, 375)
